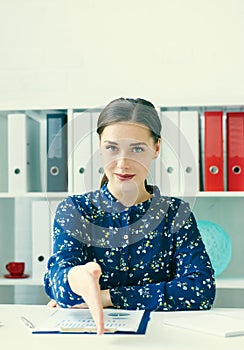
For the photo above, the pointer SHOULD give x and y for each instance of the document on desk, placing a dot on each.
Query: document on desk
(80, 321)
(209, 322)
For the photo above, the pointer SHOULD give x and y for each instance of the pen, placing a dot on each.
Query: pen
(27, 322)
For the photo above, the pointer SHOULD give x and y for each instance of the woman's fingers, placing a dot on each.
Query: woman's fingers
(80, 306)
(84, 281)
(91, 295)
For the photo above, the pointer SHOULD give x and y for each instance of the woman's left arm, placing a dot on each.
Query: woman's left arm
(192, 285)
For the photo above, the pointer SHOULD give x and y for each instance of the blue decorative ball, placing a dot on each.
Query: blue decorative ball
(217, 243)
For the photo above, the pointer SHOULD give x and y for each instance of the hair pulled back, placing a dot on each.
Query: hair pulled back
(138, 111)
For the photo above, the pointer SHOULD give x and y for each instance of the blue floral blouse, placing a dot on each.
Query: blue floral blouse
(151, 254)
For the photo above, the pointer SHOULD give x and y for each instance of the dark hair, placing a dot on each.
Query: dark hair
(137, 110)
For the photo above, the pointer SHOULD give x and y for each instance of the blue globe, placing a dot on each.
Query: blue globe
(217, 243)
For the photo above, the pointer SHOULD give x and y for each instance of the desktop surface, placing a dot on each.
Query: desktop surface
(14, 333)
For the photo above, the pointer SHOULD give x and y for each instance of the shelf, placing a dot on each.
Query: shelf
(209, 194)
(29, 281)
(34, 195)
(224, 194)
(230, 283)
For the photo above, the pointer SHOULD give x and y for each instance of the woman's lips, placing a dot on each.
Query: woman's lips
(124, 177)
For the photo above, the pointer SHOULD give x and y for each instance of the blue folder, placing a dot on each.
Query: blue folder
(49, 329)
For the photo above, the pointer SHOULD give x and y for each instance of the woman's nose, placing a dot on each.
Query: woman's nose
(123, 162)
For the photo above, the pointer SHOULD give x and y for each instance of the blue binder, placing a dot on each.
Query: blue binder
(57, 169)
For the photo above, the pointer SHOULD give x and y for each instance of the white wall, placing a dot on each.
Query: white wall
(61, 53)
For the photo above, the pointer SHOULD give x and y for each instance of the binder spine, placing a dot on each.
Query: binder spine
(213, 151)
(235, 151)
(57, 169)
(3, 153)
(33, 155)
(189, 153)
(169, 159)
(41, 238)
(17, 153)
(97, 170)
(82, 151)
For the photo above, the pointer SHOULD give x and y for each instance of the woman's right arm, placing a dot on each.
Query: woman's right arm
(72, 279)
(69, 251)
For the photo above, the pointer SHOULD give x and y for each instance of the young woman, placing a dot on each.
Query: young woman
(125, 245)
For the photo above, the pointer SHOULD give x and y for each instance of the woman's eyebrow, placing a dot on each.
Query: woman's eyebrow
(131, 144)
(111, 142)
(138, 144)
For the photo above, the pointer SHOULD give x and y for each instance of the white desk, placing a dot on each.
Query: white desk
(14, 334)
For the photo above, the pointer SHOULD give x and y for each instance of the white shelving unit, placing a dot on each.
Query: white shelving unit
(224, 208)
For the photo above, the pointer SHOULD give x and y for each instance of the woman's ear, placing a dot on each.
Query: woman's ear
(157, 149)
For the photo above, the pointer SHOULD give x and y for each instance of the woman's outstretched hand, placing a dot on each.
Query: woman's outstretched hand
(84, 281)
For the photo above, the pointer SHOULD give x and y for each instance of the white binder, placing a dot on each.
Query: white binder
(97, 164)
(53, 204)
(3, 154)
(41, 238)
(23, 153)
(189, 153)
(169, 158)
(82, 151)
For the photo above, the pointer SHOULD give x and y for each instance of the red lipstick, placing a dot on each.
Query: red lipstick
(124, 177)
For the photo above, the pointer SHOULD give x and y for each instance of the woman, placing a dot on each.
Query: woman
(126, 245)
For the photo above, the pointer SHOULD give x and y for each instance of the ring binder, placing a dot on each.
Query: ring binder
(235, 151)
(213, 151)
(57, 173)
(23, 153)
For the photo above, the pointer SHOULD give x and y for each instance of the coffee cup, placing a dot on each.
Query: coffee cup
(15, 268)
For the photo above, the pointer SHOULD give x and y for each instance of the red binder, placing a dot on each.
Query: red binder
(213, 151)
(235, 151)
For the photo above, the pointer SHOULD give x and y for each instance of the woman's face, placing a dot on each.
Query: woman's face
(127, 150)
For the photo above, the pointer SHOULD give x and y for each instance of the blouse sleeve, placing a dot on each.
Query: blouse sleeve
(192, 285)
(69, 251)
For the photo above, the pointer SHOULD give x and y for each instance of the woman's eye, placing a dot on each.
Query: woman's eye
(137, 149)
(111, 148)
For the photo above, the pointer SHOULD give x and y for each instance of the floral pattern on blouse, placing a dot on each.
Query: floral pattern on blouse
(151, 254)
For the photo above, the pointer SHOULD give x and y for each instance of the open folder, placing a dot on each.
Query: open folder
(81, 321)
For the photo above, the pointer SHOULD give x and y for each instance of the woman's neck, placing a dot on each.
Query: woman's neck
(130, 195)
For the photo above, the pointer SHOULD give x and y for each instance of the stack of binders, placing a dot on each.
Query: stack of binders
(25, 170)
(23, 154)
(223, 170)
(179, 168)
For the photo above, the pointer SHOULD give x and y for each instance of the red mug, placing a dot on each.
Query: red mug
(16, 268)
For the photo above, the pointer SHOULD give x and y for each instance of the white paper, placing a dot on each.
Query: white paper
(209, 322)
